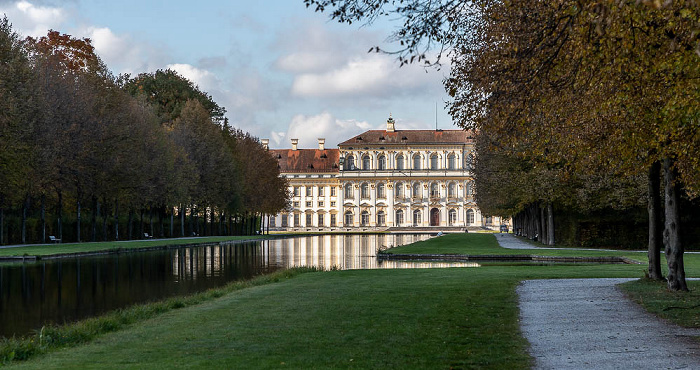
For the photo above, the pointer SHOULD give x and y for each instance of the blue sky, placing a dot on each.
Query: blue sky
(282, 71)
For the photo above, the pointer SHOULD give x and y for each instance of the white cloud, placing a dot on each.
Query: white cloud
(368, 76)
(205, 80)
(32, 20)
(309, 128)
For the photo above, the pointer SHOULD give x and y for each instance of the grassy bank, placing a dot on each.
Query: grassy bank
(53, 337)
(682, 308)
(424, 318)
(431, 318)
(55, 249)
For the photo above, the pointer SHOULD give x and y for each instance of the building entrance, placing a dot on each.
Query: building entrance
(434, 217)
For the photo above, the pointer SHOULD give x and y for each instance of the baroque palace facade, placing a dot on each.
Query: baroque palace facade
(381, 179)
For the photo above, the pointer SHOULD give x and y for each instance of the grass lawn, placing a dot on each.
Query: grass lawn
(53, 249)
(682, 308)
(423, 318)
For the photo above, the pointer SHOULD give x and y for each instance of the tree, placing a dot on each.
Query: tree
(169, 92)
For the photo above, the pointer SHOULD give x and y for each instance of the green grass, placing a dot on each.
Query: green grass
(682, 308)
(53, 249)
(429, 318)
(424, 318)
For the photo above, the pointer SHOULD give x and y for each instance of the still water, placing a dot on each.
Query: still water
(68, 289)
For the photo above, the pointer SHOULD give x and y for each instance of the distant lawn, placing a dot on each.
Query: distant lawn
(53, 249)
(487, 244)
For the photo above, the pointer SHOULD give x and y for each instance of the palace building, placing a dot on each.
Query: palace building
(382, 179)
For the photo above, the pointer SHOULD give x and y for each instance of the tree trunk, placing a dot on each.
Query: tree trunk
(93, 221)
(105, 216)
(550, 224)
(543, 226)
(655, 229)
(141, 225)
(60, 215)
(2, 225)
(182, 221)
(116, 219)
(43, 218)
(130, 224)
(25, 205)
(172, 222)
(150, 222)
(672, 233)
(78, 220)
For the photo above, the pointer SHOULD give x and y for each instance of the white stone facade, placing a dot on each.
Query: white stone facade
(383, 179)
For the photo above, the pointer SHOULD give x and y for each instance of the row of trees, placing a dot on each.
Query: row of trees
(581, 104)
(73, 137)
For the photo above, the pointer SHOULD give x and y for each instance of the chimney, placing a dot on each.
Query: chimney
(265, 143)
(390, 124)
(321, 142)
(294, 144)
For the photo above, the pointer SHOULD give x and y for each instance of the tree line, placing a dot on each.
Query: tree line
(581, 106)
(89, 156)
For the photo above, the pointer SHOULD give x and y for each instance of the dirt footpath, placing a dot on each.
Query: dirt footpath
(589, 324)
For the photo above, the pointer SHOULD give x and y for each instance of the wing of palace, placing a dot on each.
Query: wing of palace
(382, 179)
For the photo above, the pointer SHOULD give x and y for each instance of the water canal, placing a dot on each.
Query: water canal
(68, 289)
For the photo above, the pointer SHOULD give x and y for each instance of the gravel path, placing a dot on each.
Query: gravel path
(589, 324)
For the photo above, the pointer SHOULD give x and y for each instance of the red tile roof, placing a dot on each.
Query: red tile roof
(306, 160)
(403, 137)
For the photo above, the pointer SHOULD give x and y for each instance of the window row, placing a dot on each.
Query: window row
(416, 190)
(402, 162)
(349, 219)
(309, 191)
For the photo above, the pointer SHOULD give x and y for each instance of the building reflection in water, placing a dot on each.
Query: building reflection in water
(345, 252)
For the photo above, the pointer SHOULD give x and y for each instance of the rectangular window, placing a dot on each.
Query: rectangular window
(320, 203)
(297, 192)
(309, 204)
(284, 220)
(309, 220)
(320, 220)
(296, 220)
(271, 222)
(332, 204)
(320, 191)
(333, 190)
(296, 204)
(309, 191)
(332, 220)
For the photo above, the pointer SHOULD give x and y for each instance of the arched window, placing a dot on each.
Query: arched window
(452, 190)
(399, 162)
(470, 188)
(381, 218)
(416, 190)
(434, 190)
(470, 162)
(381, 192)
(381, 162)
(348, 218)
(364, 191)
(365, 162)
(348, 191)
(452, 217)
(416, 162)
(451, 162)
(416, 217)
(350, 162)
(399, 218)
(470, 217)
(398, 190)
(364, 218)
(434, 162)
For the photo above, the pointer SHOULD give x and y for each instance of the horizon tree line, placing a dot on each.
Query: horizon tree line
(89, 156)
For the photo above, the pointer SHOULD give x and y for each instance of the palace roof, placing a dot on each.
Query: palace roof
(306, 160)
(410, 137)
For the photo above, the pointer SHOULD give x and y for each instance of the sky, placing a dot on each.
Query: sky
(282, 71)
